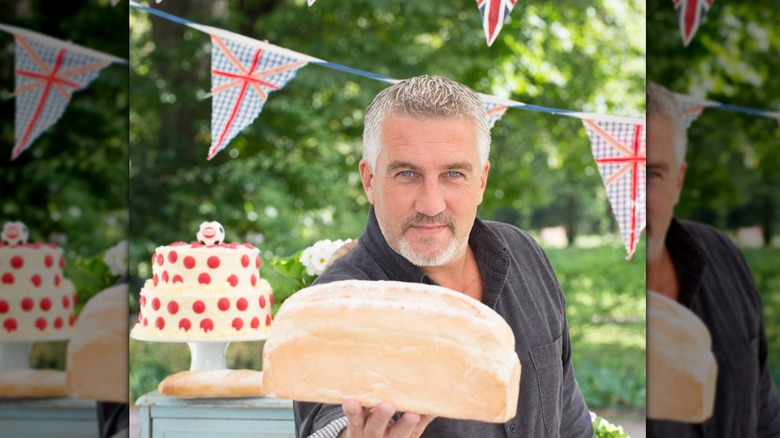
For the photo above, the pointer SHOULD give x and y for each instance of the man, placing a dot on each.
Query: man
(424, 170)
(700, 268)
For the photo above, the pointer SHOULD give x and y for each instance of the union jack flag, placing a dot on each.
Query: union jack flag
(620, 152)
(494, 13)
(494, 112)
(690, 13)
(241, 78)
(47, 73)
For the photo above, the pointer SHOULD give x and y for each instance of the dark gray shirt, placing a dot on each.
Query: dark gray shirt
(520, 285)
(716, 284)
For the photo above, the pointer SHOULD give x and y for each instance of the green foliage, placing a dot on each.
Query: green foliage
(605, 306)
(291, 267)
(605, 429)
(763, 265)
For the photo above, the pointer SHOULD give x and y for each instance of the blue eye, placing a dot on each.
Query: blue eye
(454, 174)
(406, 174)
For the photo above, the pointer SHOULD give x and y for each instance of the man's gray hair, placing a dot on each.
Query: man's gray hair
(662, 103)
(424, 97)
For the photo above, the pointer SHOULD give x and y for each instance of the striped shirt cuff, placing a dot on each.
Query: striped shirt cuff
(332, 430)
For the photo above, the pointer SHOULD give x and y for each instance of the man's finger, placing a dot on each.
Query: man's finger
(356, 420)
(376, 424)
(425, 420)
(404, 427)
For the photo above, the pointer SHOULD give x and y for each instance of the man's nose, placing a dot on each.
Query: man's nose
(430, 199)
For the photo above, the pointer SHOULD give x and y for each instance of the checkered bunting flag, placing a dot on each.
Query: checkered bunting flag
(690, 13)
(690, 112)
(494, 112)
(241, 78)
(494, 13)
(620, 152)
(47, 73)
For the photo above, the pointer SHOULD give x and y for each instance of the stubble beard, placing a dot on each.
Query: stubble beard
(420, 258)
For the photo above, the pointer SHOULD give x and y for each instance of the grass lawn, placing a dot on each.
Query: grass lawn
(765, 265)
(605, 300)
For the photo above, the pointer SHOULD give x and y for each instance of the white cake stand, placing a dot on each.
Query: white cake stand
(14, 354)
(205, 353)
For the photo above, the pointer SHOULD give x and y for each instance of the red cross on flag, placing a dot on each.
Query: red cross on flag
(690, 13)
(47, 72)
(620, 152)
(494, 13)
(242, 76)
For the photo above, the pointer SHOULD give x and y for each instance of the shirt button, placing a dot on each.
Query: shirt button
(513, 428)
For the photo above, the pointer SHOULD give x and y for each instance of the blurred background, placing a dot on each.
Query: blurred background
(733, 176)
(70, 186)
(291, 178)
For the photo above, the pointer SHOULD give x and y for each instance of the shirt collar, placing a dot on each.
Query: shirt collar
(489, 250)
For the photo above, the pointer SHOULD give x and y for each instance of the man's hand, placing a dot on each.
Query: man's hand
(373, 423)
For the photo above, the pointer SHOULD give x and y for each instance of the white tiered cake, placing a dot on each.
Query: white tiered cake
(36, 301)
(205, 289)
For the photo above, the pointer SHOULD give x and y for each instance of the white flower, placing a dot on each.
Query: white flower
(316, 257)
(116, 258)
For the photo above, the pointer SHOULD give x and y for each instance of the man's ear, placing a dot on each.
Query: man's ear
(483, 177)
(367, 176)
(679, 181)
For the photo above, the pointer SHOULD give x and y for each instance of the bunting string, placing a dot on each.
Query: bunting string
(692, 107)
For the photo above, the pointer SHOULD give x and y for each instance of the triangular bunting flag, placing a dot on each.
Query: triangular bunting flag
(620, 152)
(690, 112)
(494, 13)
(690, 14)
(311, 2)
(47, 71)
(692, 107)
(494, 112)
(241, 78)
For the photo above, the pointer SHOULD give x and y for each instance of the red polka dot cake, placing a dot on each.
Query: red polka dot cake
(36, 301)
(205, 289)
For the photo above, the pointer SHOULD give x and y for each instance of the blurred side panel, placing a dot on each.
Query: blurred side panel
(63, 208)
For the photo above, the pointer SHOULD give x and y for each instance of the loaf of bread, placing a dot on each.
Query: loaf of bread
(97, 353)
(681, 369)
(427, 349)
(213, 383)
(32, 384)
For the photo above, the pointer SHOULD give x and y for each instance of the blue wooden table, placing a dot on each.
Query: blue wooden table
(48, 417)
(173, 417)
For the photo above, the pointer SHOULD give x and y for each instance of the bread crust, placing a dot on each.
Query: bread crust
(427, 349)
(681, 369)
(32, 383)
(213, 383)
